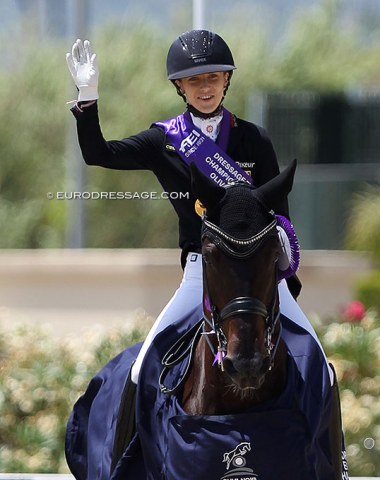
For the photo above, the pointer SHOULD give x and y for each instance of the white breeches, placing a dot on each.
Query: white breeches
(187, 296)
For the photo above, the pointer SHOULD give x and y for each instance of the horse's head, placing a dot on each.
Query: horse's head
(240, 248)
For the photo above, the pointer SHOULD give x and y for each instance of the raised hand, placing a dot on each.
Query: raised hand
(84, 69)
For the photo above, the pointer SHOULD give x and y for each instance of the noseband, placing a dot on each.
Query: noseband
(239, 249)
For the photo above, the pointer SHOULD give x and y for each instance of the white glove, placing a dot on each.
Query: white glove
(84, 70)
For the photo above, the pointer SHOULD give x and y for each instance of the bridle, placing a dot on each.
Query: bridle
(213, 318)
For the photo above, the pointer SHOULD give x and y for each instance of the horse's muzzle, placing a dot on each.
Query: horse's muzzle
(247, 373)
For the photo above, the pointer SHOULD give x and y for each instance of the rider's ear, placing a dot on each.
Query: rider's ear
(275, 192)
(204, 189)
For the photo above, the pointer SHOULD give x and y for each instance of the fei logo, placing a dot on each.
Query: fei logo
(189, 141)
(237, 459)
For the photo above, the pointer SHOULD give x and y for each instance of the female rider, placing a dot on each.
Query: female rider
(200, 65)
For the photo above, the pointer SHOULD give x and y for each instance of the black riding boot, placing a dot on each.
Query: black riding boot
(126, 424)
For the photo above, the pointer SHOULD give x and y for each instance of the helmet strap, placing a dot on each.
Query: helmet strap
(179, 91)
(228, 82)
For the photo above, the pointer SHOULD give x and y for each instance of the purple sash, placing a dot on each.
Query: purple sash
(209, 156)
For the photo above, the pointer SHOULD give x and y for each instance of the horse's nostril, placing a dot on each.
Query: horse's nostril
(245, 372)
(238, 366)
(257, 361)
(228, 366)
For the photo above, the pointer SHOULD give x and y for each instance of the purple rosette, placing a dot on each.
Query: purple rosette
(294, 259)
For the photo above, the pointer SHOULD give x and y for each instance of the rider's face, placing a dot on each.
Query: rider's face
(204, 92)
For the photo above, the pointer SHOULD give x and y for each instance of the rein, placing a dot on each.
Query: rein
(181, 349)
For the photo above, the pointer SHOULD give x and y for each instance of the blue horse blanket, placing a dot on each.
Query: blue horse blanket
(292, 436)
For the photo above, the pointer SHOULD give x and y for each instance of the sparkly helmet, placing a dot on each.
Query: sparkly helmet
(197, 52)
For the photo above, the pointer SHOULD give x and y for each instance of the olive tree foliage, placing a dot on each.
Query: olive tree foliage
(322, 52)
(32, 146)
(317, 51)
(363, 234)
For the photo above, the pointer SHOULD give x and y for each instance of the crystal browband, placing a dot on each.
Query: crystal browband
(242, 243)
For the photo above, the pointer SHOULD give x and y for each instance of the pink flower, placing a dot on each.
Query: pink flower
(354, 312)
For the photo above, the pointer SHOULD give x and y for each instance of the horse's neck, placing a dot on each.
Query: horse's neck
(208, 391)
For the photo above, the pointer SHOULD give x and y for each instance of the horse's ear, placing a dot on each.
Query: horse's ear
(204, 189)
(275, 192)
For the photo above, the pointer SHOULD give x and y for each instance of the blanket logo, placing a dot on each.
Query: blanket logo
(236, 458)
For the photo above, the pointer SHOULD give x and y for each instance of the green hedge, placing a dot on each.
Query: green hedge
(42, 376)
(368, 289)
(363, 225)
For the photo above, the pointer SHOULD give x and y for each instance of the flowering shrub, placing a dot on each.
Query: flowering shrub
(41, 377)
(352, 344)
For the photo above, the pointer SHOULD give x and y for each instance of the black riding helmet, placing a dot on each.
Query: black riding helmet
(197, 52)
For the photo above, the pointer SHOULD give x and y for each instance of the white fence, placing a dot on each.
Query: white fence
(71, 289)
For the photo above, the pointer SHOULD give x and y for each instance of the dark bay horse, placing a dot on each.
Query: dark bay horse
(233, 390)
